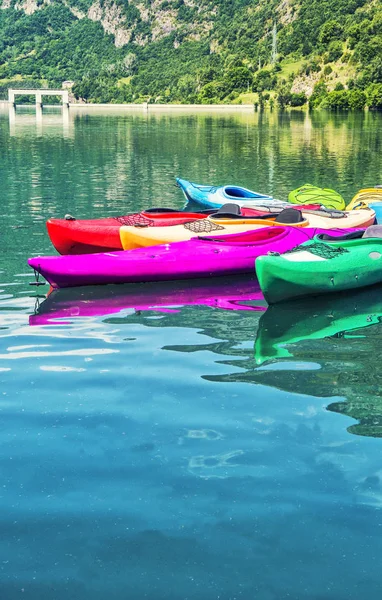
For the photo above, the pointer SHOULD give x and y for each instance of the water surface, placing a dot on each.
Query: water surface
(158, 445)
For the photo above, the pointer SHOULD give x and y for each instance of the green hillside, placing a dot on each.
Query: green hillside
(284, 51)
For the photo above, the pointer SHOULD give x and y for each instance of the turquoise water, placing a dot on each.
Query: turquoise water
(184, 451)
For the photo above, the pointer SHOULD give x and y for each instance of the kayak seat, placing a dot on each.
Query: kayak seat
(289, 216)
(353, 235)
(233, 211)
(374, 231)
(229, 208)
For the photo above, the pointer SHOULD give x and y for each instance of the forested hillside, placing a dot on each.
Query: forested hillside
(261, 51)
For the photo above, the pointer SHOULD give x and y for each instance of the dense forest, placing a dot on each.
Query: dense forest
(290, 52)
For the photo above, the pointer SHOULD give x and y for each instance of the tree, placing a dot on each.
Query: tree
(238, 78)
(212, 92)
(298, 99)
(365, 52)
(373, 70)
(263, 80)
(129, 62)
(319, 93)
(186, 86)
(336, 100)
(357, 99)
(374, 95)
(334, 52)
(283, 93)
(331, 30)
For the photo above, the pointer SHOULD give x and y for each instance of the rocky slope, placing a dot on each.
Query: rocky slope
(183, 50)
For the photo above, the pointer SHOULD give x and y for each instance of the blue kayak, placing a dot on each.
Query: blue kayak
(215, 196)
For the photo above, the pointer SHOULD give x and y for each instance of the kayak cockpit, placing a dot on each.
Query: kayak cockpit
(372, 232)
(242, 193)
(249, 238)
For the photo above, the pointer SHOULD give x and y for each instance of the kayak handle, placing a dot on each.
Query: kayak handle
(37, 277)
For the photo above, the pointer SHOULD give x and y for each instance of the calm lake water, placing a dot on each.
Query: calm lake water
(175, 442)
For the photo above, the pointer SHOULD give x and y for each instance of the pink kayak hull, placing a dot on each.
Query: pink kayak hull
(199, 257)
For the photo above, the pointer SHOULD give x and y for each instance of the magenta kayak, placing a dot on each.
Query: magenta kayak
(198, 257)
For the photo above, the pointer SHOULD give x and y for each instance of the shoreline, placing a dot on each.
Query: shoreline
(145, 106)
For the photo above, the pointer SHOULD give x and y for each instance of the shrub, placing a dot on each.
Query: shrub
(298, 99)
(376, 24)
(374, 95)
(327, 70)
(319, 93)
(233, 61)
(283, 93)
(355, 32)
(366, 52)
(334, 52)
(331, 30)
(263, 80)
(186, 86)
(338, 99)
(210, 92)
(374, 70)
(312, 67)
(357, 99)
(339, 87)
(306, 47)
(238, 78)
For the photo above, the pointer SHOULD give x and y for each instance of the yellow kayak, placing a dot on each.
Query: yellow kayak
(364, 197)
(224, 224)
(138, 237)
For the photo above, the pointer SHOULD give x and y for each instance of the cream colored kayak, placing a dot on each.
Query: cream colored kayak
(138, 237)
(364, 197)
(350, 219)
(324, 219)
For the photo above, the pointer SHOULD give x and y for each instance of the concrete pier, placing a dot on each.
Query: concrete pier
(12, 93)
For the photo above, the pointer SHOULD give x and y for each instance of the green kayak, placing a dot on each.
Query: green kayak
(340, 315)
(310, 194)
(323, 265)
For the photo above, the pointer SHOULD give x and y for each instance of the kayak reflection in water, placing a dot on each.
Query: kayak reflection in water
(235, 293)
(349, 361)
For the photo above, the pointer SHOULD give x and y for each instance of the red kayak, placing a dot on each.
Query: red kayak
(85, 236)
(72, 236)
